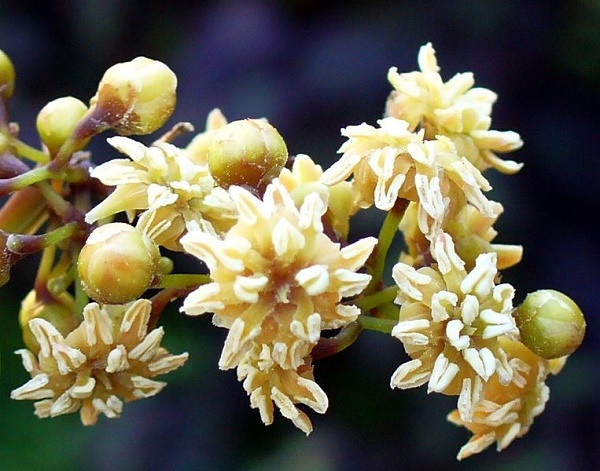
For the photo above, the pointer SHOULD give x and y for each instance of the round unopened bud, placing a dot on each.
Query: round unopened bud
(7, 76)
(249, 152)
(551, 324)
(136, 97)
(57, 120)
(59, 310)
(117, 263)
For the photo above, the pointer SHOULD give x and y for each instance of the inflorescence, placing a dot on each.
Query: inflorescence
(272, 230)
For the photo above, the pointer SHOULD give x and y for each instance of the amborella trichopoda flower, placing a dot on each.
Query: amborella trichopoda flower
(507, 411)
(450, 321)
(455, 109)
(269, 385)
(277, 278)
(390, 162)
(169, 189)
(108, 358)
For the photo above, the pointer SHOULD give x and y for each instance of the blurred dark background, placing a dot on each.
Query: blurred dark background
(313, 67)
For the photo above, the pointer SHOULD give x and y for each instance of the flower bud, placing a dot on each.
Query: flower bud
(248, 152)
(117, 263)
(551, 324)
(57, 120)
(59, 310)
(7, 76)
(135, 97)
(165, 266)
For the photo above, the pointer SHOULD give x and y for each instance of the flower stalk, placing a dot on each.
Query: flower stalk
(389, 229)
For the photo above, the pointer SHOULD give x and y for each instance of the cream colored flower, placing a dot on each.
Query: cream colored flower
(379, 160)
(305, 178)
(391, 162)
(471, 231)
(450, 322)
(506, 411)
(108, 358)
(454, 109)
(169, 188)
(277, 281)
(277, 278)
(267, 383)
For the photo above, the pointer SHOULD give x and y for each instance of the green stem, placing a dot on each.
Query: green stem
(389, 229)
(44, 270)
(380, 325)
(89, 126)
(59, 205)
(31, 153)
(181, 281)
(366, 303)
(387, 311)
(62, 274)
(23, 243)
(35, 175)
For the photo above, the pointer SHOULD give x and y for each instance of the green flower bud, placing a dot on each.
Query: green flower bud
(135, 97)
(7, 76)
(59, 310)
(165, 266)
(57, 120)
(249, 153)
(551, 324)
(117, 263)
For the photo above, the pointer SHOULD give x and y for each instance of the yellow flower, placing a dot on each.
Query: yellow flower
(506, 411)
(267, 383)
(392, 162)
(454, 109)
(305, 178)
(170, 188)
(471, 231)
(277, 278)
(450, 322)
(110, 356)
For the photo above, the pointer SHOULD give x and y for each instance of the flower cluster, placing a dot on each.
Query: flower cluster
(167, 186)
(277, 283)
(454, 109)
(279, 269)
(456, 321)
(110, 356)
